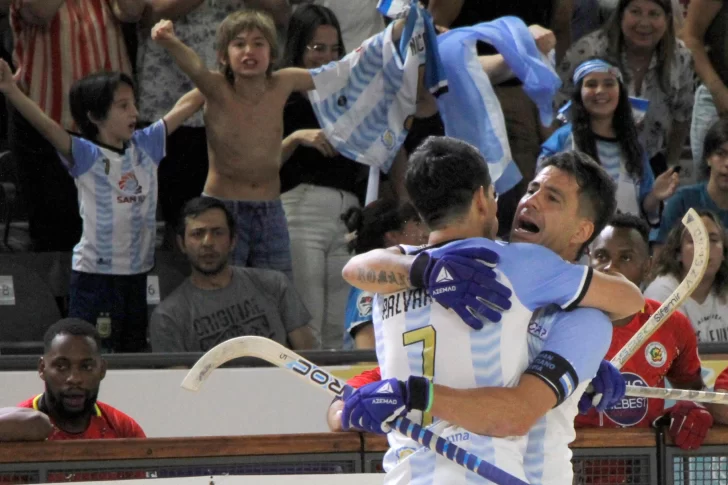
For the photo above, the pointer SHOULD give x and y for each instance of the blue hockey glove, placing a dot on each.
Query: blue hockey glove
(463, 280)
(374, 406)
(605, 390)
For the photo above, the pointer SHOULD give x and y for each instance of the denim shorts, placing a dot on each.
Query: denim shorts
(262, 233)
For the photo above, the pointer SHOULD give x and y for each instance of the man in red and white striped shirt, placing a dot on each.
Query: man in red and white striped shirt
(57, 42)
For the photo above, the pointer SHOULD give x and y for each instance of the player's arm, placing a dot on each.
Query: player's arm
(573, 351)
(379, 270)
(51, 131)
(208, 82)
(613, 294)
(24, 424)
(185, 107)
(333, 414)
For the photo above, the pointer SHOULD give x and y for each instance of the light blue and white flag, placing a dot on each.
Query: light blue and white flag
(470, 109)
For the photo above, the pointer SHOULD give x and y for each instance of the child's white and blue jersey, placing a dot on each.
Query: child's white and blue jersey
(417, 336)
(574, 344)
(358, 314)
(117, 197)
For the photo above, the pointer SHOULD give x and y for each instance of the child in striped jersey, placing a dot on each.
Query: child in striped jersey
(114, 166)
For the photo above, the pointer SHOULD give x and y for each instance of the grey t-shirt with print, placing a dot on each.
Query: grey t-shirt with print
(257, 302)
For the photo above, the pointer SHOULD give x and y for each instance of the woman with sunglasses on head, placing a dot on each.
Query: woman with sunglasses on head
(318, 184)
(603, 127)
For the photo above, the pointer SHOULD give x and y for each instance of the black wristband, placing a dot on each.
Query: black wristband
(418, 392)
(417, 270)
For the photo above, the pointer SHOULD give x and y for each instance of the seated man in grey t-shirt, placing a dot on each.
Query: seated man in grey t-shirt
(219, 301)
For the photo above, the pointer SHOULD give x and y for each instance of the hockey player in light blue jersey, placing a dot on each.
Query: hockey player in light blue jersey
(477, 382)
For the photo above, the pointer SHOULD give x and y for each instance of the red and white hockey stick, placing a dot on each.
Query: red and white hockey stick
(276, 354)
(696, 228)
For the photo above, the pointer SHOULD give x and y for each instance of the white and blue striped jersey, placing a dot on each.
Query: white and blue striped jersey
(581, 337)
(365, 103)
(117, 197)
(417, 336)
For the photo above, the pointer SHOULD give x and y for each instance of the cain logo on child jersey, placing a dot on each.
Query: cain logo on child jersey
(129, 184)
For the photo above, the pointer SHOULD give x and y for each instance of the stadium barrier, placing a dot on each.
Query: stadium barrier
(601, 456)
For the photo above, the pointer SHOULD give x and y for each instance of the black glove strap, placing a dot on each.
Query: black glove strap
(417, 270)
(419, 392)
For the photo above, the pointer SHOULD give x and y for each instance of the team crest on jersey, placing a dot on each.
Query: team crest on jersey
(364, 304)
(129, 183)
(630, 410)
(388, 139)
(656, 354)
(403, 453)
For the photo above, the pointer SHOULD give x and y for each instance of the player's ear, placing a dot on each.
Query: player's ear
(181, 243)
(480, 200)
(390, 239)
(583, 233)
(41, 368)
(103, 369)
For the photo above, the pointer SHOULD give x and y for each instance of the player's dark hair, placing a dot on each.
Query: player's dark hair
(198, 205)
(668, 261)
(368, 226)
(622, 122)
(631, 221)
(302, 28)
(71, 326)
(715, 137)
(92, 96)
(442, 176)
(597, 190)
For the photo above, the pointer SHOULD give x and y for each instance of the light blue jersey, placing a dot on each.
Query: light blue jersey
(417, 336)
(576, 342)
(358, 314)
(117, 198)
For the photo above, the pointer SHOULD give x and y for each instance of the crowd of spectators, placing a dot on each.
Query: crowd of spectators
(644, 79)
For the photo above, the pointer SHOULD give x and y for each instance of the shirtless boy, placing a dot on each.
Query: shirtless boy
(244, 120)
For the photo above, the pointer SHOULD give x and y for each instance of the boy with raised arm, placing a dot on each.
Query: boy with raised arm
(244, 120)
(114, 166)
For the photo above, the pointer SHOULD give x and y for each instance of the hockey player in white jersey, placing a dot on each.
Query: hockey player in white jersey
(421, 342)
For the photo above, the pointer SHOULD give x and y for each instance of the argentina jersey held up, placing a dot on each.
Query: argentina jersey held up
(365, 103)
(417, 336)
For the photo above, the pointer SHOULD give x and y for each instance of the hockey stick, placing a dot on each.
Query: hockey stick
(696, 228)
(677, 394)
(278, 355)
